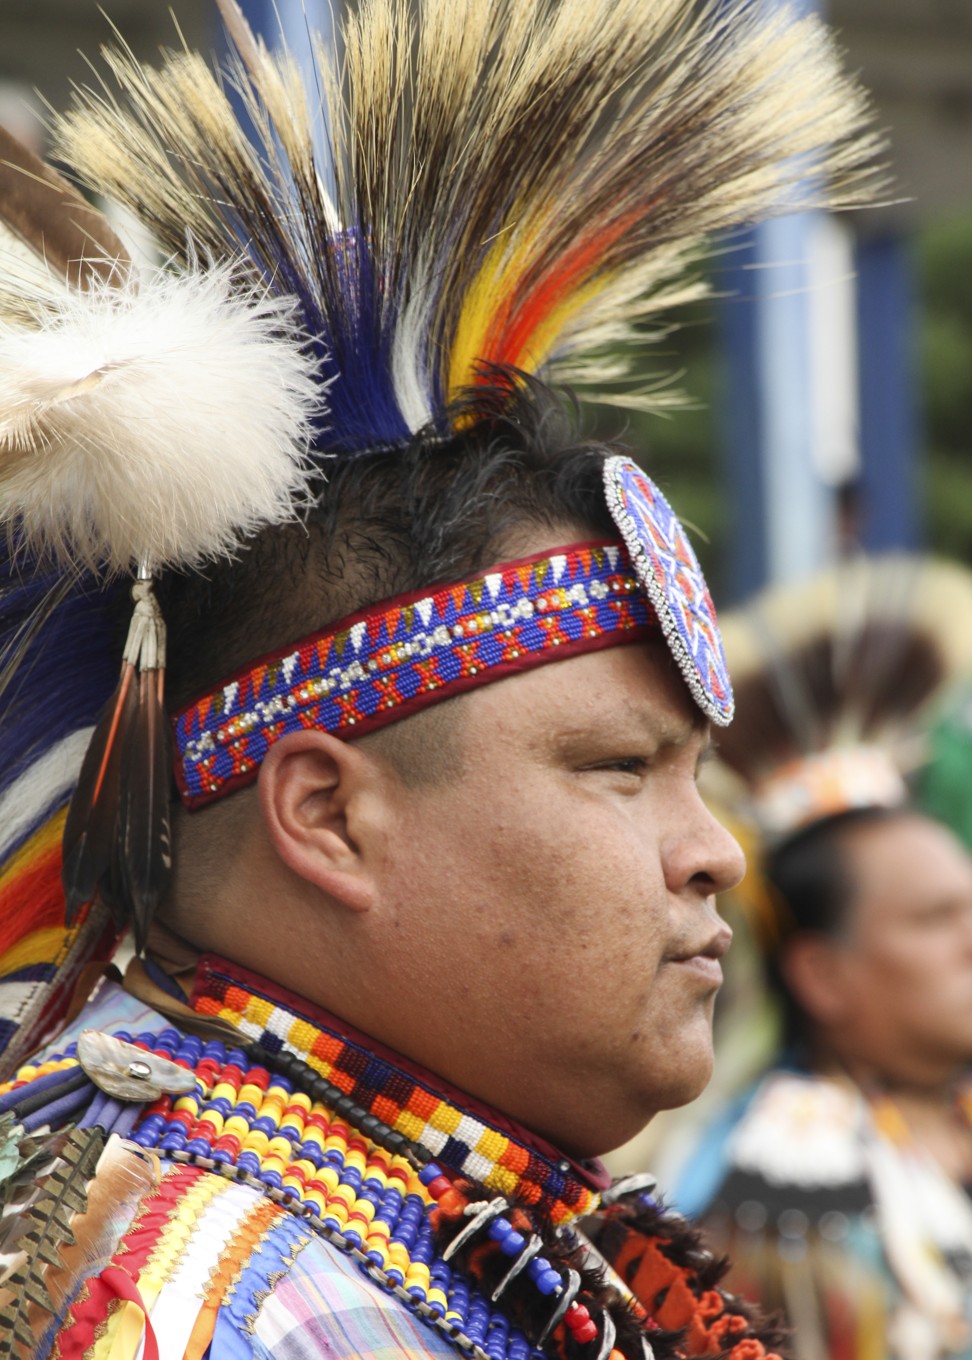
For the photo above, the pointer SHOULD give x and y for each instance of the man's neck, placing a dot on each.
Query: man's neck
(928, 1079)
(459, 1131)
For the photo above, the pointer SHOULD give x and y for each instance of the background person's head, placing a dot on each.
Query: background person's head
(837, 677)
(875, 963)
(514, 886)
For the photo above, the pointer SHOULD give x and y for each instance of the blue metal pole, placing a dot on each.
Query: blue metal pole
(782, 507)
(292, 20)
(739, 422)
(890, 511)
(788, 429)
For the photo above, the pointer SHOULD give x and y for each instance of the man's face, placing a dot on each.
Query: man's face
(906, 966)
(552, 906)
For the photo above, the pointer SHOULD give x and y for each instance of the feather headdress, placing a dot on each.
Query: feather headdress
(833, 679)
(509, 183)
(512, 183)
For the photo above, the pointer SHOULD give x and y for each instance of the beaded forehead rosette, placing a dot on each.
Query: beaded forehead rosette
(400, 656)
(669, 572)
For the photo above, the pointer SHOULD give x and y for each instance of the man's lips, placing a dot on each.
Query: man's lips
(704, 958)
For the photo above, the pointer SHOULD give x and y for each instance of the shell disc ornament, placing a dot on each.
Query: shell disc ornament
(668, 569)
(127, 1072)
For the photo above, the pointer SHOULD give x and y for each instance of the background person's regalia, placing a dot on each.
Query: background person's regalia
(827, 1204)
(837, 681)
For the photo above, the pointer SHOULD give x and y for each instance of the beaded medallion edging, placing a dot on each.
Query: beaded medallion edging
(669, 573)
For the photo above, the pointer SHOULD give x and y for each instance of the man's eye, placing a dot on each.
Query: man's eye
(628, 765)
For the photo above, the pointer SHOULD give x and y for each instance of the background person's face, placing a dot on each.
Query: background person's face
(906, 964)
(563, 890)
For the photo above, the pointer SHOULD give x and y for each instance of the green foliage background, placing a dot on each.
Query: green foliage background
(945, 337)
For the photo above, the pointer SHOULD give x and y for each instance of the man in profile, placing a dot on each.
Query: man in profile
(433, 924)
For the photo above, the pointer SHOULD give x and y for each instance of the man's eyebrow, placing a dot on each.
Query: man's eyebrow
(634, 716)
(668, 731)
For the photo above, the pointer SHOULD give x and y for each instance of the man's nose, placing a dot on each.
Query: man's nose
(702, 853)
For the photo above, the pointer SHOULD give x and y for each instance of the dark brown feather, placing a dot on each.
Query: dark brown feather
(49, 215)
(144, 833)
(90, 832)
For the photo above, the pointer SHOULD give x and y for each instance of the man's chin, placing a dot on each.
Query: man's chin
(667, 1091)
(681, 1084)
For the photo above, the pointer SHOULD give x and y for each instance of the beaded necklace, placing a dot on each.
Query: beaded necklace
(253, 1125)
(371, 1086)
(289, 1132)
(273, 1123)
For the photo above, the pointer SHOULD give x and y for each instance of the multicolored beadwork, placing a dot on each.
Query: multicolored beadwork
(250, 1125)
(380, 665)
(469, 1143)
(486, 1273)
(668, 570)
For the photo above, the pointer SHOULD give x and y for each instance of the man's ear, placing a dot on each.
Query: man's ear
(813, 968)
(319, 798)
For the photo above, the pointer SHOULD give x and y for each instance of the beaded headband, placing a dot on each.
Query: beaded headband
(401, 655)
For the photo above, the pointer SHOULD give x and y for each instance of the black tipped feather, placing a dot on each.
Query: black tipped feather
(36, 1237)
(90, 830)
(144, 838)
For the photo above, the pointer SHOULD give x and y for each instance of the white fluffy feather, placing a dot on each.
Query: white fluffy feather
(165, 420)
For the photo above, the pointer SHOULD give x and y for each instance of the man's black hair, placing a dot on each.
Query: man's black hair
(390, 522)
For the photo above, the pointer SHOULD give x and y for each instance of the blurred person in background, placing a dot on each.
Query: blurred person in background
(841, 1180)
